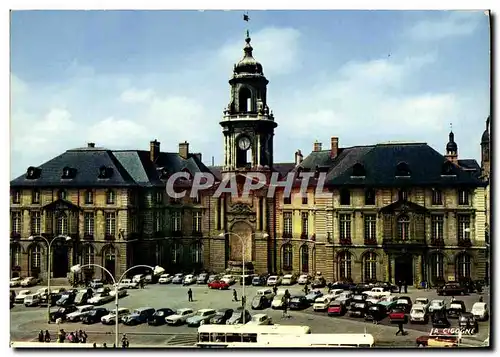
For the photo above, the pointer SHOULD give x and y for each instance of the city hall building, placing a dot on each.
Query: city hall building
(394, 211)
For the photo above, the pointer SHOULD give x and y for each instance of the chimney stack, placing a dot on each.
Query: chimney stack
(334, 150)
(298, 158)
(198, 155)
(154, 150)
(317, 146)
(184, 149)
(91, 145)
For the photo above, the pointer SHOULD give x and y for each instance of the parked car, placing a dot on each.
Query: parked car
(237, 317)
(100, 299)
(247, 278)
(103, 289)
(398, 314)
(387, 286)
(66, 299)
(79, 313)
(138, 278)
(259, 281)
(165, 279)
(439, 319)
(229, 279)
(480, 311)
(129, 284)
(303, 279)
(202, 316)
(273, 280)
(62, 312)
(318, 282)
(336, 308)
(377, 293)
(158, 318)
(213, 277)
(361, 288)
(436, 305)
(345, 298)
(418, 314)
(32, 300)
(260, 302)
(94, 316)
(375, 312)
(96, 283)
(180, 316)
(298, 302)
(149, 279)
(29, 281)
(21, 295)
(266, 292)
(405, 300)
(260, 319)
(313, 295)
(335, 293)
(456, 309)
(15, 282)
(218, 284)
(321, 303)
(359, 309)
(468, 321)
(423, 302)
(358, 298)
(289, 279)
(453, 289)
(178, 278)
(139, 316)
(202, 278)
(189, 279)
(221, 316)
(110, 318)
(278, 300)
(82, 297)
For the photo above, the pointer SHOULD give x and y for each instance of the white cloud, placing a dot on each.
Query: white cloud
(117, 132)
(453, 23)
(134, 95)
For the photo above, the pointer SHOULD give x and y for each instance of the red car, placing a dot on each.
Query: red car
(336, 309)
(397, 315)
(218, 284)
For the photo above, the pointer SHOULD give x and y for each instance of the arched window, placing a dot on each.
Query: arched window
(304, 259)
(344, 265)
(197, 253)
(358, 170)
(402, 169)
(88, 255)
(62, 224)
(35, 256)
(370, 267)
(176, 253)
(245, 100)
(61, 194)
(89, 197)
(462, 266)
(287, 257)
(437, 266)
(404, 227)
(15, 255)
(110, 197)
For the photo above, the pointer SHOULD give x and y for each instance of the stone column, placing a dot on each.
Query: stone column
(392, 265)
(264, 215)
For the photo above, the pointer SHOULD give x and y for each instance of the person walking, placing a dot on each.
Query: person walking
(405, 286)
(125, 342)
(400, 285)
(47, 336)
(480, 299)
(190, 295)
(275, 289)
(400, 329)
(287, 295)
(306, 289)
(40, 336)
(285, 307)
(235, 295)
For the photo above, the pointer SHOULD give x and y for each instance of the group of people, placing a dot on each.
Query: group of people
(73, 337)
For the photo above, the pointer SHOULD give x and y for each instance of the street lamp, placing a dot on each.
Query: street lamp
(157, 270)
(243, 297)
(49, 245)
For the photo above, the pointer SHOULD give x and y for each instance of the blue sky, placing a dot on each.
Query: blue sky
(123, 78)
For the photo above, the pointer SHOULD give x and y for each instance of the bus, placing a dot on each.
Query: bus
(330, 340)
(221, 336)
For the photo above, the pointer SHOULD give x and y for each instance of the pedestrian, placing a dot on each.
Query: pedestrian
(400, 329)
(306, 289)
(47, 336)
(94, 345)
(285, 307)
(104, 345)
(125, 342)
(452, 299)
(480, 299)
(406, 287)
(399, 286)
(40, 336)
(141, 283)
(84, 337)
(61, 336)
(235, 295)
(275, 289)
(190, 295)
(59, 321)
(71, 337)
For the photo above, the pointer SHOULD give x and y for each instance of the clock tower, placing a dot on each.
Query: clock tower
(248, 124)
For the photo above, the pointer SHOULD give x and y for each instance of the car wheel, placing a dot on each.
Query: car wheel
(202, 322)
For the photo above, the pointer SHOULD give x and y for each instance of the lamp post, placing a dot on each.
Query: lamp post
(156, 270)
(49, 245)
(243, 297)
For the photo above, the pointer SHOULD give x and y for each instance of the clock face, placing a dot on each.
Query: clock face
(244, 143)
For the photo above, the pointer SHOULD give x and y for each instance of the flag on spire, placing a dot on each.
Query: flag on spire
(245, 17)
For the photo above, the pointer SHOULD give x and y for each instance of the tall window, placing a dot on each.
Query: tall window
(404, 227)
(88, 219)
(197, 253)
(16, 196)
(176, 222)
(403, 195)
(159, 196)
(437, 197)
(15, 255)
(89, 197)
(110, 197)
(62, 224)
(463, 226)
(370, 265)
(35, 196)
(305, 223)
(35, 256)
(88, 255)
(197, 221)
(287, 224)
(370, 227)
(345, 197)
(176, 253)
(157, 221)
(110, 223)
(369, 197)
(36, 221)
(344, 265)
(345, 226)
(463, 197)
(304, 200)
(287, 257)
(437, 266)
(15, 222)
(304, 259)
(463, 265)
(61, 194)
(437, 227)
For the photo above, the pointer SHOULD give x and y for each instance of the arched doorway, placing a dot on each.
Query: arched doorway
(60, 260)
(403, 268)
(109, 259)
(242, 236)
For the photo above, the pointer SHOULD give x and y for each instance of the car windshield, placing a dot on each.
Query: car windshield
(436, 303)
(295, 299)
(418, 311)
(455, 306)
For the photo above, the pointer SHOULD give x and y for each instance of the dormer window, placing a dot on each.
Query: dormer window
(403, 195)
(33, 173)
(110, 197)
(437, 197)
(61, 194)
(345, 197)
(105, 172)
(89, 197)
(448, 169)
(162, 173)
(358, 170)
(463, 197)
(68, 173)
(402, 170)
(35, 196)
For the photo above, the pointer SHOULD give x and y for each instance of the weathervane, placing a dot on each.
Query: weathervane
(246, 18)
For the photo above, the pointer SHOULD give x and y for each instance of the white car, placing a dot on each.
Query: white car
(422, 302)
(165, 279)
(373, 300)
(228, 279)
(321, 303)
(289, 279)
(29, 281)
(178, 278)
(268, 293)
(273, 280)
(32, 300)
(335, 293)
(180, 317)
(80, 311)
(137, 278)
(303, 279)
(377, 293)
(14, 282)
(260, 319)
(102, 298)
(109, 319)
(418, 313)
(129, 284)
(278, 301)
(20, 297)
(189, 279)
(437, 305)
(480, 311)
(202, 317)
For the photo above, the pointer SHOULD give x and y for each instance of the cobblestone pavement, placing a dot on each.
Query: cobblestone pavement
(27, 322)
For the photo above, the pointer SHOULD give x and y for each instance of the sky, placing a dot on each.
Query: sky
(123, 78)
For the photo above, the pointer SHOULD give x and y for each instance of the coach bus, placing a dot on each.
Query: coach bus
(329, 340)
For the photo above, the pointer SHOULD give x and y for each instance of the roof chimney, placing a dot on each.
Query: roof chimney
(154, 150)
(198, 155)
(334, 150)
(91, 145)
(298, 158)
(317, 146)
(184, 149)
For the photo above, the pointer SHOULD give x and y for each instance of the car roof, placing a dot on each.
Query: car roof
(205, 310)
(184, 309)
(479, 304)
(144, 308)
